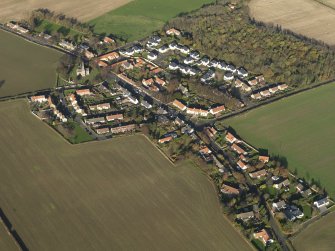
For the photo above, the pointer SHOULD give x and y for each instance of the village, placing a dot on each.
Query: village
(162, 88)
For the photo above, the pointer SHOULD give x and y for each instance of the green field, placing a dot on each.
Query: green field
(301, 128)
(121, 194)
(318, 236)
(140, 18)
(25, 66)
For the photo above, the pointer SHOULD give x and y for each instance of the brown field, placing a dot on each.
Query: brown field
(318, 236)
(121, 194)
(6, 242)
(84, 10)
(315, 19)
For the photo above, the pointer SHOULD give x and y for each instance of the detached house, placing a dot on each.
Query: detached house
(278, 206)
(102, 130)
(226, 189)
(245, 216)
(242, 165)
(230, 138)
(238, 149)
(228, 76)
(258, 174)
(321, 203)
(217, 109)
(196, 111)
(179, 105)
(39, 99)
(284, 183)
(263, 236)
(173, 31)
(264, 159)
(83, 92)
(165, 140)
(114, 117)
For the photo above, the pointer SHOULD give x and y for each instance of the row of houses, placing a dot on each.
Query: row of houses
(198, 111)
(116, 130)
(266, 93)
(17, 27)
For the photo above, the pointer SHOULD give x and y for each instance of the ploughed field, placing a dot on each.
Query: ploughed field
(312, 18)
(121, 194)
(82, 9)
(318, 236)
(140, 18)
(300, 128)
(25, 66)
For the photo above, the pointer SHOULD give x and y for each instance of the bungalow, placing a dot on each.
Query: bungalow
(217, 109)
(241, 72)
(245, 216)
(226, 189)
(92, 121)
(102, 130)
(278, 206)
(39, 99)
(108, 40)
(228, 76)
(205, 150)
(83, 92)
(122, 129)
(196, 111)
(230, 138)
(179, 105)
(163, 49)
(273, 89)
(256, 96)
(258, 174)
(173, 31)
(147, 82)
(264, 159)
(153, 55)
(253, 82)
(110, 56)
(238, 149)
(282, 87)
(165, 140)
(113, 117)
(265, 93)
(263, 236)
(160, 81)
(146, 104)
(321, 203)
(242, 165)
(282, 184)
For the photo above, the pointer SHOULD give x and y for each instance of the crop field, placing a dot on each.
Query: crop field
(25, 66)
(140, 18)
(6, 241)
(318, 236)
(312, 18)
(300, 128)
(82, 9)
(121, 194)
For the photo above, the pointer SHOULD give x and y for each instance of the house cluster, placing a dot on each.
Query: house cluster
(16, 27)
(198, 111)
(268, 92)
(67, 45)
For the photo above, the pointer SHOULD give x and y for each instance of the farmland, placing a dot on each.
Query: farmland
(319, 25)
(318, 236)
(118, 194)
(6, 241)
(300, 128)
(140, 18)
(82, 9)
(25, 66)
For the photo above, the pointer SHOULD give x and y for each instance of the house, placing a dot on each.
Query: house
(39, 99)
(184, 49)
(306, 193)
(264, 159)
(230, 138)
(228, 76)
(204, 61)
(187, 130)
(241, 72)
(210, 132)
(165, 140)
(132, 99)
(273, 89)
(258, 174)
(108, 40)
(226, 189)
(292, 213)
(321, 203)
(173, 65)
(147, 82)
(256, 96)
(217, 109)
(82, 70)
(244, 87)
(67, 45)
(83, 92)
(146, 104)
(213, 63)
(231, 68)
(122, 129)
(188, 60)
(179, 105)
(222, 65)
(243, 158)
(173, 32)
(104, 106)
(263, 236)
(205, 150)
(102, 130)
(300, 187)
(110, 56)
(197, 111)
(253, 82)
(127, 65)
(281, 184)
(113, 117)
(88, 54)
(207, 76)
(92, 121)
(278, 206)
(282, 87)
(265, 93)
(238, 83)
(163, 49)
(102, 64)
(173, 45)
(160, 81)
(260, 79)
(242, 165)
(245, 216)
(153, 55)
(195, 55)
(238, 149)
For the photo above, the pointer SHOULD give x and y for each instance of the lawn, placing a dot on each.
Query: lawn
(301, 128)
(121, 194)
(25, 66)
(140, 18)
(318, 236)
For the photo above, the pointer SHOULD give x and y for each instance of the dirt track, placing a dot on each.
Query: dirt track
(84, 10)
(311, 18)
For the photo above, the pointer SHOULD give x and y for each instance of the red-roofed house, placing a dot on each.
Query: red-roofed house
(173, 31)
(39, 99)
(263, 236)
(114, 117)
(179, 105)
(217, 109)
(230, 138)
(83, 92)
(264, 159)
(165, 140)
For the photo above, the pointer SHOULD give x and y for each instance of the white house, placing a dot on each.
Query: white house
(228, 76)
(321, 203)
